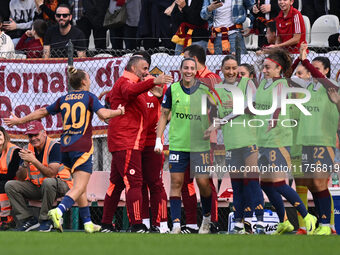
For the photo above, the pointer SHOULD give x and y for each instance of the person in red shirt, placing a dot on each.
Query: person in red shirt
(152, 162)
(126, 139)
(291, 31)
(188, 190)
(31, 42)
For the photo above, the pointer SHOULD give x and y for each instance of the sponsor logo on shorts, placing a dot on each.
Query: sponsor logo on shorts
(174, 158)
(132, 171)
(304, 157)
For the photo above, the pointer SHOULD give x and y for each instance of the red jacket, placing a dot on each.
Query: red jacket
(288, 26)
(32, 47)
(128, 131)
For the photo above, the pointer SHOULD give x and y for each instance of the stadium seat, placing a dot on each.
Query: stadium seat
(322, 28)
(307, 26)
(254, 41)
(300, 6)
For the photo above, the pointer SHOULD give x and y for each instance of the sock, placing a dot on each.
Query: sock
(256, 195)
(291, 196)
(84, 213)
(176, 225)
(274, 198)
(146, 222)
(248, 201)
(239, 224)
(163, 225)
(206, 205)
(302, 192)
(175, 209)
(189, 200)
(193, 226)
(214, 203)
(65, 205)
(316, 203)
(332, 214)
(324, 199)
(238, 201)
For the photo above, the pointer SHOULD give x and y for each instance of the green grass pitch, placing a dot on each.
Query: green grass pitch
(123, 243)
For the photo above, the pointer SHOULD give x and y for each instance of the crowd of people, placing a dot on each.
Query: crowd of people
(144, 103)
(139, 107)
(42, 28)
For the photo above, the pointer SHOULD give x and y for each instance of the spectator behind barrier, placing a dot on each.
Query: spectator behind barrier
(291, 31)
(6, 44)
(313, 9)
(32, 41)
(45, 9)
(225, 22)
(155, 23)
(21, 18)
(192, 28)
(57, 37)
(89, 16)
(128, 31)
(264, 12)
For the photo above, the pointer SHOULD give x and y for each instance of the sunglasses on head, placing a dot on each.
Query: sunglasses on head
(64, 15)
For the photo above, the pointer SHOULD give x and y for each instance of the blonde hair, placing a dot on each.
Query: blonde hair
(75, 77)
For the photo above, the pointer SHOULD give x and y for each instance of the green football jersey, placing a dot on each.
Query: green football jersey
(280, 135)
(236, 133)
(319, 128)
(187, 123)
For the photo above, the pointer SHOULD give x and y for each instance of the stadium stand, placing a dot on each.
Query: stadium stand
(308, 28)
(322, 28)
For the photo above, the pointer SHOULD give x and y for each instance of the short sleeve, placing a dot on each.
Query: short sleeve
(298, 21)
(47, 37)
(167, 100)
(54, 108)
(96, 104)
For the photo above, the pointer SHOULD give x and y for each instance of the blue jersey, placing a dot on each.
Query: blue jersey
(77, 110)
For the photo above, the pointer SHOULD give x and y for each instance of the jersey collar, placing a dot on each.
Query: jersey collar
(130, 76)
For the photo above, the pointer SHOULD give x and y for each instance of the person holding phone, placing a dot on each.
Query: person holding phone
(225, 20)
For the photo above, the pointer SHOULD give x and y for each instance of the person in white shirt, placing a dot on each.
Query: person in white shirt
(21, 18)
(6, 44)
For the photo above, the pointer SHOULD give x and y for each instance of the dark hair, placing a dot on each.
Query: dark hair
(1, 19)
(271, 26)
(40, 27)
(250, 69)
(145, 55)
(133, 61)
(283, 58)
(326, 64)
(188, 59)
(64, 6)
(227, 57)
(6, 138)
(196, 51)
(75, 77)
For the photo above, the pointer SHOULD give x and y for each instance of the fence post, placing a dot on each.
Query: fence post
(238, 48)
(70, 50)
